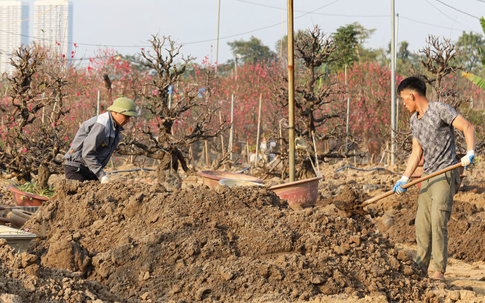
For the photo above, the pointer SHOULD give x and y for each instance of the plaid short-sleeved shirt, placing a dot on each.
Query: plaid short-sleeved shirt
(436, 136)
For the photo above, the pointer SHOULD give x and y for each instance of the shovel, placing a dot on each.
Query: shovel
(388, 193)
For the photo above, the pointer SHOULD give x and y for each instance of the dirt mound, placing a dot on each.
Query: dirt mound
(23, 280)
(144, 242)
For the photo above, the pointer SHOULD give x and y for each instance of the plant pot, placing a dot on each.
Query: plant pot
(300, 194)
(211, 178)
(26, 199)
(233, 182)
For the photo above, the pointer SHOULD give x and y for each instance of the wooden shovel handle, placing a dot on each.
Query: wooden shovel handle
(388, 193)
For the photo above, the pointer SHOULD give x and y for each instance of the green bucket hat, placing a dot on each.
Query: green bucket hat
(124, 106)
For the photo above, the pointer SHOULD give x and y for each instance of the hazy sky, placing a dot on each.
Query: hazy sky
(126, 25)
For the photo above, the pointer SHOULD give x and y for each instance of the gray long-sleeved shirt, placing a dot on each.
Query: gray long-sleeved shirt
(94, 144)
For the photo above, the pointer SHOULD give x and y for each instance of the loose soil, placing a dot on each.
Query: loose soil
(133, 240)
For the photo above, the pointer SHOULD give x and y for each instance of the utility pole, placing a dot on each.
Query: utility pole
(282, 27)
(397, 49)
(393, 83)
(291, 92)
(218, 22)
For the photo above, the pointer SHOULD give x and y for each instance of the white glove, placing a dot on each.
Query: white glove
(468, 158)
(104, 179)
(398, 187)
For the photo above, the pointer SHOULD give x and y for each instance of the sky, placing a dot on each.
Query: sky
(127, 25)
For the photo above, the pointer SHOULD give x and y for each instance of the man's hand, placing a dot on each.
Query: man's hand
(104, 179)
(468, 158)
(398, 186)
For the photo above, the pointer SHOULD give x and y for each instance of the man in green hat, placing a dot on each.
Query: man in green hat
(96, 140)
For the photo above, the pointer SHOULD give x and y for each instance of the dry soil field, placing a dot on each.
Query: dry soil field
(135, 241)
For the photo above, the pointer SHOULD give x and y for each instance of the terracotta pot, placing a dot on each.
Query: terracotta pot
(211, 178)
(300, 194)
(232, 182)
(26, 199)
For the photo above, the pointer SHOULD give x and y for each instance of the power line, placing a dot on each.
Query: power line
(35, 15)
(313, 13)
(429, 24)
(258, 29)
(60, 41)
(448, 16)
(248, 32)
(194, 42)
(457, 9)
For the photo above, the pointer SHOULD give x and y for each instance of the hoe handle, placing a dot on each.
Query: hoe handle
(388, 193)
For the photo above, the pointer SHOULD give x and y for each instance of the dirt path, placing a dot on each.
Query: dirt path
(458, 272)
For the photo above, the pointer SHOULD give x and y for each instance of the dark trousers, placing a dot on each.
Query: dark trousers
(79, 173)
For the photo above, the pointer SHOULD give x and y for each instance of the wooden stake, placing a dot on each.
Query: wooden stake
(222, 136)
(191, 155)
(231, 134)
(207, 160)
(248, 153)
(388, 154)
(222, 139)
(281, 137)
(259, 129)
(316, 156)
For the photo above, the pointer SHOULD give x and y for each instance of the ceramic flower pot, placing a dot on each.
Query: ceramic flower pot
(233, 182)
(26, 199)
(299, 194)
(211, 178)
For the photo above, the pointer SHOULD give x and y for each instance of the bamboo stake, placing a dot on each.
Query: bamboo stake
(191, 155)
(259, 129)
(281, 136)
(231, 134)
(388, 155)
(248, 154)
(222, 136)
(206, 147)
(222, 139)
(316, 156)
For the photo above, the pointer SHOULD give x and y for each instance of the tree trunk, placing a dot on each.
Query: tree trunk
(43, 175)
(306, 170)
(167, 170)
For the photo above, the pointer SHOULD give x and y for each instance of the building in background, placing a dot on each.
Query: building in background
(14, 30)
(53, 24)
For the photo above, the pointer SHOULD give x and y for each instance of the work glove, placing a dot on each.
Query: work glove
(104, 179)
(468, 158)
(397, 187)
